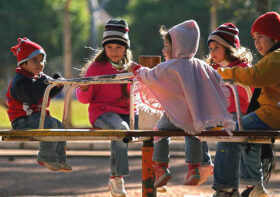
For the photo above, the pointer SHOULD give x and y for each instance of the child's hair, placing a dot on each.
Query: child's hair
(227, 36)
(100, 56)
(165, 34)
(232, 54)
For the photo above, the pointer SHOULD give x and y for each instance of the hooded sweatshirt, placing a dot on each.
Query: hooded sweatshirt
(188, 90)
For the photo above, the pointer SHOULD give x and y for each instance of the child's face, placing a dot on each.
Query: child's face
(35, 65)
(263, 43)
(217, 52)
(115, 52)
(167, 50)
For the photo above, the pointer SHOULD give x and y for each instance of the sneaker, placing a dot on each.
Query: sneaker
(162, 189)
(162, 175)
(257, 191)
(65, 167)
(205, 172)
(116, 186)
(221, 193)
(50, 165)
(199, 175)
(193, 177)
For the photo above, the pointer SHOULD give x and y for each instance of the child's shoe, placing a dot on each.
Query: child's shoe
(162, 189)
(222, 193)
(205, 172)
(256, 191)
(162, 175)
(193, 176)
(197, 175)
(65, 167)
(116, 186)
(50, 165)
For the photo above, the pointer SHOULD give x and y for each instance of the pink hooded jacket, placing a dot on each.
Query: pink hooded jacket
(188, 90)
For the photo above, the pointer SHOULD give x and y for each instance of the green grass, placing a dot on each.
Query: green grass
(79, 113)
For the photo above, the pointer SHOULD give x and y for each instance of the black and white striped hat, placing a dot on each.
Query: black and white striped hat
(116, 31)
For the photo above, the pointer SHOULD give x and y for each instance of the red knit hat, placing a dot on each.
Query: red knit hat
(26, 49)
(227, 35)
(268, 24)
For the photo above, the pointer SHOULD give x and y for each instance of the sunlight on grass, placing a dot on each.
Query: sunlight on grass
(79, 113)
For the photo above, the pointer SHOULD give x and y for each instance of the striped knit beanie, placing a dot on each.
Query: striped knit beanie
(116, 31)
(26, 49)
(226, 35)
(268, 24)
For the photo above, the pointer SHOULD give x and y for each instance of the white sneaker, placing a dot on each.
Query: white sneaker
(116, 186)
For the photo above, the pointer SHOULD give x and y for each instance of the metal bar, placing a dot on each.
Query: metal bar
(67, 99)
(230, 83)
(44, 105)
(58, 138)
(131, 108)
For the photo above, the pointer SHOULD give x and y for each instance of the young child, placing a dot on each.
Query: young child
(109, 103)
(191, 94)
(226, 51)
(24, 99)
(265, 75)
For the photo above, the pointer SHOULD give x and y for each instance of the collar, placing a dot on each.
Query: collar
(224, 63)
(25, 73)
(275, 47)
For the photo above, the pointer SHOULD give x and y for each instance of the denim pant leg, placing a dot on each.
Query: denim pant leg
(161, 147)
(251, 167)
(47, 150)
(119, 157)
(52, 151)
(196, 151)
(61, 145)
(228, 157)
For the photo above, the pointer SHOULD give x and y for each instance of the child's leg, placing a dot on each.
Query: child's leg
(198, 161)
(48, 150)
(161, 153)
(119, 158)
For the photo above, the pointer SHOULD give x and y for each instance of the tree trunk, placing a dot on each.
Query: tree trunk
(93, 6)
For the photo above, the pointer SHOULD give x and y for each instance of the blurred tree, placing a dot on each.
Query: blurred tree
(42, 22)
(146, 16)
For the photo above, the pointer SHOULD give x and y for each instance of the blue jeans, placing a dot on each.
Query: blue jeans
(48, 151)
(119, 158)
(232, 162)
(195, 150)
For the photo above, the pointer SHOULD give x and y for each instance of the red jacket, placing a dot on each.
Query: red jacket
(103, 97)
(243, 98)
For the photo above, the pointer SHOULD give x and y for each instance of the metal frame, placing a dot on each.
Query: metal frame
(72, 83)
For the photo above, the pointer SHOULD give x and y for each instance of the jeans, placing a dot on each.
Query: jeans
(232, 161)
(195, 150)
(119, 157)
(48, 151)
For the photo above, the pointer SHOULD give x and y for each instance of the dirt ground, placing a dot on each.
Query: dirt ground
(22, 176)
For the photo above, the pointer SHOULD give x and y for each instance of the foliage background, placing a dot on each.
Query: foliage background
(42, 22)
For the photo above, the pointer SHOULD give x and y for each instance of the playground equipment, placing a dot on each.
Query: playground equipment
(143, 135)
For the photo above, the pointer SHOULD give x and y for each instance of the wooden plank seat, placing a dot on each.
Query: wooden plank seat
(249, 136)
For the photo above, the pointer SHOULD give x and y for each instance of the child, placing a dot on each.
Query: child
(109, 103)
(191, 95)
(265, 75)
(24, 99)
(225, 51)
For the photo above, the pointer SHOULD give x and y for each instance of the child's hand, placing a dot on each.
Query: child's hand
(83, 88)
(133, 67)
